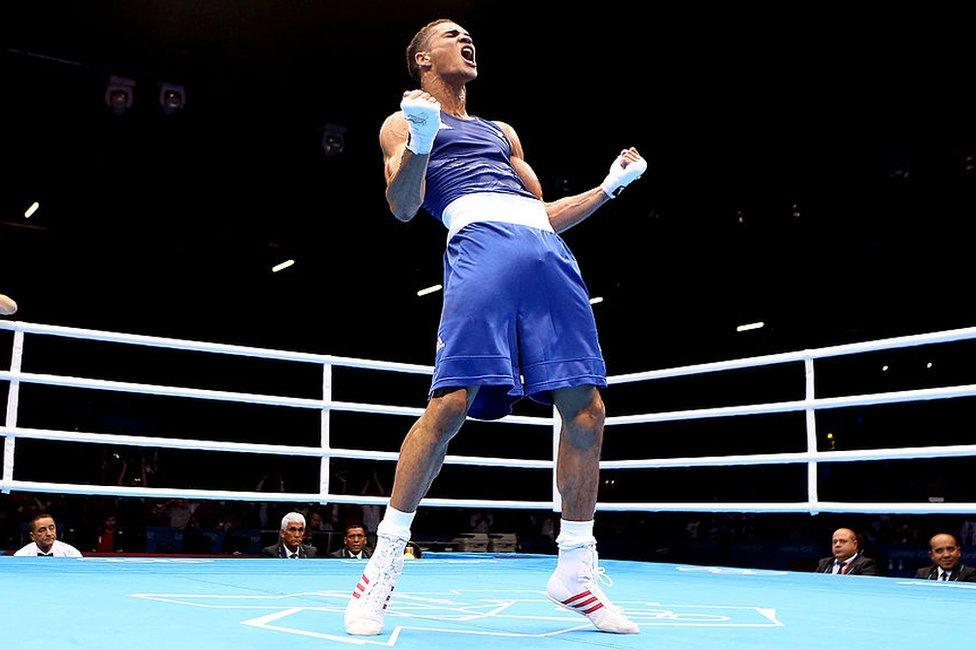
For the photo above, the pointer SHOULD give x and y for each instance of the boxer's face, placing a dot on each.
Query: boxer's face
(450, 52)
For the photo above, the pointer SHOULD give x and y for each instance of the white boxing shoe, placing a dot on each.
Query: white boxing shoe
(367, 605)
(574, 585)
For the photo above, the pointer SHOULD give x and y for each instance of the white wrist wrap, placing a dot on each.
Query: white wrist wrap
(620, 176)
(424, 118)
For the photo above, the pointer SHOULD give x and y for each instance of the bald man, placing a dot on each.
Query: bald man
(947, 565)
(847, 558)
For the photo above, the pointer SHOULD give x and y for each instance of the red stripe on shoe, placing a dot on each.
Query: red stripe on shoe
(360, 587)
(577, 596)
(355, 595)
(585, 603)
(592, 609)
(365, 579)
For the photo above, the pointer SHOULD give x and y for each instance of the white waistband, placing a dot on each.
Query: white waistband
(493, 206)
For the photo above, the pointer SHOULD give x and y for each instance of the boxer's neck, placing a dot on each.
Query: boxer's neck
(453, 97)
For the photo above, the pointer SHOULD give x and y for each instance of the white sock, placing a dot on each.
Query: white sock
(573, 534)
(396, 523)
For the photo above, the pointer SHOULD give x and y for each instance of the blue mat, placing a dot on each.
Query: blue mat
(462, 600)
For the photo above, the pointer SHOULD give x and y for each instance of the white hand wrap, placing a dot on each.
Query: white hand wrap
(425, 119)
(620, 176)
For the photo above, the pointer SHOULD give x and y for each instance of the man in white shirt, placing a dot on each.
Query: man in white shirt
(44, 532)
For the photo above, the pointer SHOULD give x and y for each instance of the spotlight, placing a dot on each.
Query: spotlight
(750, 326)
(172, 98)
(333, 140)
(118, 94)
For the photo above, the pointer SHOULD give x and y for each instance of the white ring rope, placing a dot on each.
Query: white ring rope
(217, 348)
(894, 397)
(811, 457)
(226, 396)
(946, 336)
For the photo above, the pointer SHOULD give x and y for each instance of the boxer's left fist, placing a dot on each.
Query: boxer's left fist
(626, 169)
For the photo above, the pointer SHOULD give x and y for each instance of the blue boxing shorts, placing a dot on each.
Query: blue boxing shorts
(516, 320)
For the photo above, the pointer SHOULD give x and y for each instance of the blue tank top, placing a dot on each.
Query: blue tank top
(469, 156)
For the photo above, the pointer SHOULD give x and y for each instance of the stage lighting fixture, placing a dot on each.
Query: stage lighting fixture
(333, 140)
(172, 98)
(119, 94)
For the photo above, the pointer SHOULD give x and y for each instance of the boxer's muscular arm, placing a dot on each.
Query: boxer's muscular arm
(566, 212)
(405, 170)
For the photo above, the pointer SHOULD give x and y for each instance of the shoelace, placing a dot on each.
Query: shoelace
(592, 571)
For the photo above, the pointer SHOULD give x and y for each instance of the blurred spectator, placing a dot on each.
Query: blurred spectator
(109, 538)
(316, 524)
(968, 533)
(480, 522)
(372, 512)
(270, 482)
(180, 511)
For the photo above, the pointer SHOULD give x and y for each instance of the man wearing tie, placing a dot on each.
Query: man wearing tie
(947, 563)
(847, 557)
(353, 544)
(290, 538)
(44, 534)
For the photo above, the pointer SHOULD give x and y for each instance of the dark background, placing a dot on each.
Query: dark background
(813, 169)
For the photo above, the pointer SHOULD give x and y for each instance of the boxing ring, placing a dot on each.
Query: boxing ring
(490, 600)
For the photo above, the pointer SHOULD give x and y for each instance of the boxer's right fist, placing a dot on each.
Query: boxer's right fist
(423, 114)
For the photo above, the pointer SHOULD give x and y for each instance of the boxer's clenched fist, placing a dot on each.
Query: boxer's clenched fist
(627, 168)
(423, 113)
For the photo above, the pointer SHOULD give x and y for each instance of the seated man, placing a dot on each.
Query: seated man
(353, 543)
(290, 539)
(847, 558)
(44, 532)
(947, 563)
